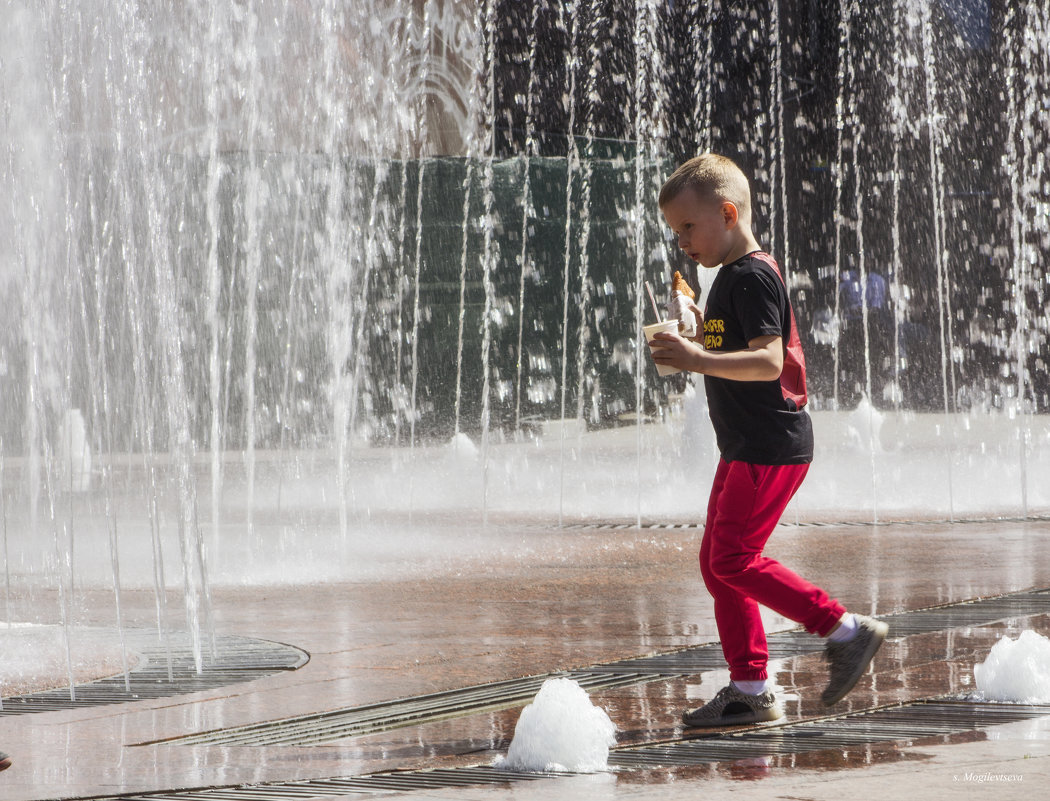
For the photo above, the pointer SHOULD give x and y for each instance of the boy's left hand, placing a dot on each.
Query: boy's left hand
(675, 350)
(699, 313)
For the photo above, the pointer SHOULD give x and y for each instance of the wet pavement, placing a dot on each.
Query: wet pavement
(570, 599)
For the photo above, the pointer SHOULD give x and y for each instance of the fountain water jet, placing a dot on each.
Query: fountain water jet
(254, 242)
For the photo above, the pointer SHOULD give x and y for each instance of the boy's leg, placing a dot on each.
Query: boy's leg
(750, 502)
(743, 641)
(740, 629)
(746, 503)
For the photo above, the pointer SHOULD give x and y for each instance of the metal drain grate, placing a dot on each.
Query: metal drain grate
(354, 721)
(235, 660)
(979, 612)
(785, 644)
(623, 525)
(338, 724)
(919, 720)
(377, 784)
(611, 525)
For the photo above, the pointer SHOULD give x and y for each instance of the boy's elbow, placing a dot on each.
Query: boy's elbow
(772, 372)
(769, 363)
(772, 369)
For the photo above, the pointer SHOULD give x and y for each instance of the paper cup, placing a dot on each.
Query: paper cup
(655, 328)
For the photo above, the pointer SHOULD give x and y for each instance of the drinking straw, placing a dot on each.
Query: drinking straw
(652, 299)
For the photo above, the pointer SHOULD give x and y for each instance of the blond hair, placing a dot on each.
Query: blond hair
(710, 175)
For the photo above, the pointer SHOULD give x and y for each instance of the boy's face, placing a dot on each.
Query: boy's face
(703, 226)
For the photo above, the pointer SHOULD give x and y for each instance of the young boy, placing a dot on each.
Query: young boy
(755, 378)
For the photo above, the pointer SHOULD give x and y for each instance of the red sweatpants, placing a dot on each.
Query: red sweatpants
(746, 503)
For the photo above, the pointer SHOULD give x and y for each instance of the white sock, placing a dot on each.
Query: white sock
(846, 631)
(754, 687)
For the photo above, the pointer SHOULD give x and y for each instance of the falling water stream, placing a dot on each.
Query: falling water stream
(594, 35)
(944, 306)
(528, 212)
(572, 167)
(489, 256)
(303, 268)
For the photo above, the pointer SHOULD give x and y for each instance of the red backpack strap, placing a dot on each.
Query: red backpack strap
(793, 376)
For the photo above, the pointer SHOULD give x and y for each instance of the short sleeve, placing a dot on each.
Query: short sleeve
(758, 303)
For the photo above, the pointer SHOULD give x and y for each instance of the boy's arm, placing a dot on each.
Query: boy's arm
(762, 361)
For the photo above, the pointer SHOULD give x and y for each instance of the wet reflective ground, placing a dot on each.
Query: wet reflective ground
(561, 600)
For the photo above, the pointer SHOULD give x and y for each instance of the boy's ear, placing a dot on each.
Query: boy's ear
(730, 214)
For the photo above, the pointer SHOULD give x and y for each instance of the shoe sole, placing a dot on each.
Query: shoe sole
(878, 637)
(731, 720)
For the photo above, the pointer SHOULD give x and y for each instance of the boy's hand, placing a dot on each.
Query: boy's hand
(675, 350)
(699, 320)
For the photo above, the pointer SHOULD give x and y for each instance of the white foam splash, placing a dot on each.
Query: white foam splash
(561, 730)
(462, 447)
(1016, 670)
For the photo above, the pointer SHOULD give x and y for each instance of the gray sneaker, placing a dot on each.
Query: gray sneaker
(730, 707)
(847, 661)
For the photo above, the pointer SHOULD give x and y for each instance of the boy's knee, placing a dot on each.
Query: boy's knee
(727, 568)
(710, 580)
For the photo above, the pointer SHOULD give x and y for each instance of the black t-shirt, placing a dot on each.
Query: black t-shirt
(761, 422)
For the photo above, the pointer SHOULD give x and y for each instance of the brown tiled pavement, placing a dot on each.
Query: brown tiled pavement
(586, 596)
